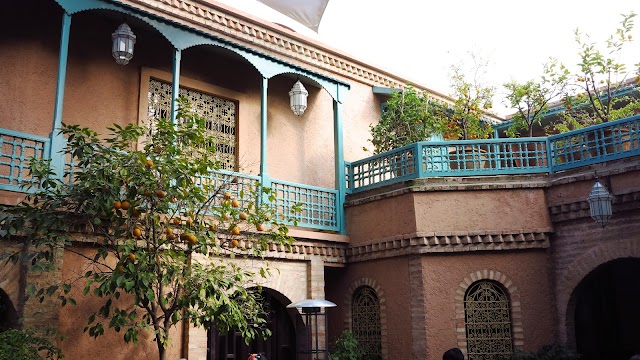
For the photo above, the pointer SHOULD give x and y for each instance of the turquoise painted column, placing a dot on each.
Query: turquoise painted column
(57, 139)
(339, 163)
(264, 176)
(175, 90)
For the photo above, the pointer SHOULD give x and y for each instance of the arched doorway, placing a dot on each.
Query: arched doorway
(281, 345)
(8, 313)
(607, 313)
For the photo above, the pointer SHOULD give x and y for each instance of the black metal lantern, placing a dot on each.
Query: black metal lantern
(298, 98)
(600, 204)
(315, 318)
(123, 41)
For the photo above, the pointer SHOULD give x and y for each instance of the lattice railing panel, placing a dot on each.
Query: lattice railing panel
(319, 206)
(487, 321)
(16, 149)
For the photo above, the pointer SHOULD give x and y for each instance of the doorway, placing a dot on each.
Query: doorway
(607, 312)
(281, 345)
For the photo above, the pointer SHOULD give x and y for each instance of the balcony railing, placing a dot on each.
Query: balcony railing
(16, 148)
(595, 144)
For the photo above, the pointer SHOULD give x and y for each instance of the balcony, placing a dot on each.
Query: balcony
(596, 144)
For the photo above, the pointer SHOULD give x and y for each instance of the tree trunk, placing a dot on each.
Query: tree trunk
(162, 352)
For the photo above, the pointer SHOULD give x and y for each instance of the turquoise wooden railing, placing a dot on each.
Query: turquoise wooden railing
(595, 144)
(319, 206)
(15, 150)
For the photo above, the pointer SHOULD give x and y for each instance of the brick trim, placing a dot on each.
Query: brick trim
(457, 241)
(580, 209)
(578, 270)
(514, 297)
(348, 299)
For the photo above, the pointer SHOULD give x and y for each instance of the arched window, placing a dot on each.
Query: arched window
(487, 312)
(365, 321)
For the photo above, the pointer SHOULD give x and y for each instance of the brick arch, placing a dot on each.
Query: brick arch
(348, 299)
(579, 269)
(514, 297)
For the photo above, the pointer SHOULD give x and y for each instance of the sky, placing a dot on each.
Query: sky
(419, 40)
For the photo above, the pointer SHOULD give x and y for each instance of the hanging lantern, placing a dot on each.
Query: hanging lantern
(600, 204)
(123, 41)
(298, 96)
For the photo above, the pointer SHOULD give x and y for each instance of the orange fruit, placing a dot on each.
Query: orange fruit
(189, 222)
(227, 195)
(137, 232)
(160, 193)
(568, 107)
(235, 230)
(243, 216)
(189, 238)
(174, 199)
(212, 227)
(117, 205)
(234, 243)
(169, 231)
(39, 234)
(120, 268)
(226, 203)
(235, 203)
(149, 163)
(136, 213)
(125, 205)
(132, 256)
(260, 227)
(175, 221)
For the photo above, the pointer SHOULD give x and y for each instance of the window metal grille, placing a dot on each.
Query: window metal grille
(220, 114)
(488, 321)
(365, 321)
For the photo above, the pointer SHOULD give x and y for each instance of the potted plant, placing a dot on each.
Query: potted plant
(601, 90)
(465, 121)
(407, 118)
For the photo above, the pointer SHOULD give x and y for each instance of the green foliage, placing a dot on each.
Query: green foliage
(531, 99)
(25, 345)
(593, 94)
(472, 99)
(346, 347)
(547, 352)
(408, 117)
(161, 226)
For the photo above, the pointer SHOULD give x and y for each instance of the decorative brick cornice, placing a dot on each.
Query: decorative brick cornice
(448, 242)
(227, 23)
(580, 209)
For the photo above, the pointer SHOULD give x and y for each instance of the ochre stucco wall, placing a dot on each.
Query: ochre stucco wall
(392, 275)
(512, 209)
(73, 319)
(530, 272)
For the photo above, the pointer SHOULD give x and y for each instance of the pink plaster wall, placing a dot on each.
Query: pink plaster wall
(530, 272)
(392, 275)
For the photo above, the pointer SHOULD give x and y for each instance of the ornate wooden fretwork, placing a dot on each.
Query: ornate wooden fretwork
(219, 113)
(365, 321)
(487, 321)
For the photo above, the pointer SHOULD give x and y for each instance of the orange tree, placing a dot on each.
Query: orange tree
(531, 99)
(163, 230)
(472, 99)
(407, 118)
(597, 92)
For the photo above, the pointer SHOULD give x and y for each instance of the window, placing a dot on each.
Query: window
(487, 313)
(365, 321)
(221, 116)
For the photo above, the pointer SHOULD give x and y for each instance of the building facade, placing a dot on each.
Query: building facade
(418, 258)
